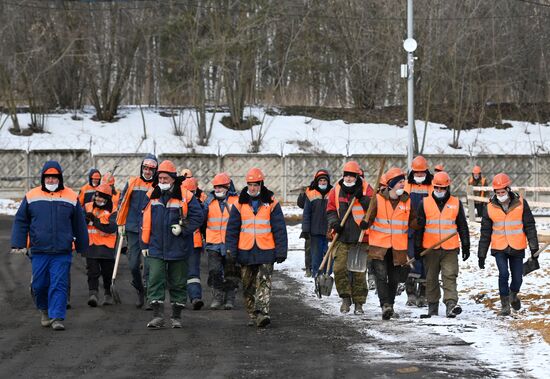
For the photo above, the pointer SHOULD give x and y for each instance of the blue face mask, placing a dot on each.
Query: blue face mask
(323, 186)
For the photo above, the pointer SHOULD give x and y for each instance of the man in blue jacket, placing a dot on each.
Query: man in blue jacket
(256, 238)
(49, 219)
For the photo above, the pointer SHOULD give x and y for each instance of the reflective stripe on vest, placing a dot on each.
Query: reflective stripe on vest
(439, 224)
(391, 226)
(216, 222)
(313, 195)
(96, 236)
(357, 210)
(256, 228)
(507, 227)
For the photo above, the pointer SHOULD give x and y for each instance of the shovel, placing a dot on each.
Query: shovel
(357, 255)
(324, 282)
(114, 291)
(411, 261)
(532, 263)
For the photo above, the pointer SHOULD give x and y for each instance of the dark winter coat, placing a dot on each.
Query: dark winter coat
(278, 228)
(416, 198)
(52, 220)
(529, 228)
(314, 220)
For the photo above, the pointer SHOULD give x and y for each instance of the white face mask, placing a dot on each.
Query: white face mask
(440, 195)
(51, 187)
(502, 198)
(323, 186)
(219, 195)
(399, 191)
(251, 195)
(164, 186)
(349, 184)
(100, 202)
(419, 179)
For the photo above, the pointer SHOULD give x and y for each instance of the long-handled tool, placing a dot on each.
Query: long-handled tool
(324, 282)
(532, 263)
(357, 255)
(114, 291)
(411, 261)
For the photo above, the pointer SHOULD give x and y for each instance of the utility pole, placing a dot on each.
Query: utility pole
(407, 71)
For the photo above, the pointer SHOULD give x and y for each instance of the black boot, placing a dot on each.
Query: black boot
(453, 309)
(176, 315)
(158, 315)
(140, 298)
(92, 299)
(515, 301)
(505, 300)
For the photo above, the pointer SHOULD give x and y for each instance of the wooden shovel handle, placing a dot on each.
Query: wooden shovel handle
(117, 258)
(426, 251)
(539, 251)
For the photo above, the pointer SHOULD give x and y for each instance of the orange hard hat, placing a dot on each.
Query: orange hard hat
(501, 181)
(190, 184)
(383, 180)
(419, 164)
(222, 179)
(187, 173)
(105, 189)
(321, 172)
(441, 179)
(52, 171)
(439, 167)
(254, 175)
(393, 173)
(109, 179)
(476, 170)
(167, 166)
(353, 166)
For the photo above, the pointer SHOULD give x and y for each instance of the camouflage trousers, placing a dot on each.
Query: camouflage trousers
(257, 288)
(348, 284)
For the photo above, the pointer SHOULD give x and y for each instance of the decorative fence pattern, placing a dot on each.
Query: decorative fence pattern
(286, 175)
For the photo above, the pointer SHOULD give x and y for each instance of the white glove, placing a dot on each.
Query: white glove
(22, 251)
(145, 252)
(122, 230)
(176, 229)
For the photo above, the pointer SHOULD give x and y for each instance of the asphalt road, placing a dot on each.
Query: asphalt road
(114, 342)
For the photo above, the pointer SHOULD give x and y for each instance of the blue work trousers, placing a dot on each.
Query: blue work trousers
(318, 246)
(50, 282)
(194, 289)
(515, 262)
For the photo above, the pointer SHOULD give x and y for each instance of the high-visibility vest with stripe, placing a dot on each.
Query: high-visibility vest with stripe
(391, 226)
(482, 182)
(256, 228)
(155, 205)
(507, 227)
(216, 221)
(420, 189)
(86, 194)
(313, 194)
(439, 224)
(96, 236)
(357, 210)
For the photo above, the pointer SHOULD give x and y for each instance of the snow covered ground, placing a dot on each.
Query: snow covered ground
(282, 135)
(513, 346)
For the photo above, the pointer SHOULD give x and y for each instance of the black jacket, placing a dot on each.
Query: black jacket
(461, 223)
(529, 228)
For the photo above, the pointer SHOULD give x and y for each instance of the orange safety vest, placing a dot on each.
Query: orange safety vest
(86, 189)
(391, 226)
(440, 224)
(135, 183)
(197, 238)
(357, 211)
(96, 236)
(216, 222)
(507, 227)
(256, 228)
(313, 194)
(482, 183)
(422, 189)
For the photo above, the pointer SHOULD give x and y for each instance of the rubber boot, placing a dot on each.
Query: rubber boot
(358, 309)
(45, 320)
(515, 301)
(421, 293)
(92, 299)
(505, 300)
(176, 315)
(263, 320)
(229, 300)
(217, 300)
(453, 309)
(57, 324)
(346, 304)
(433, 310)
(387, 311)
(197, 304)
(158, 317)
(108, 299)
(140, 298)
(411, 294)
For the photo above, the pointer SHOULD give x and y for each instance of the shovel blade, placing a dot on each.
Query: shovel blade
(323, 284)
(115, 294)
(357, 259)
(530, 265)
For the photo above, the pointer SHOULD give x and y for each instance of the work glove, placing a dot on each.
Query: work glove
(122, 230)
(89, 217)
(465, 253)
(145, 252)
(176, 229)
(364, 225)
(337, 228)
(358, 194)
(481, 263)
(22, 251)
(228, 254)
(305, 235)
(280, 259)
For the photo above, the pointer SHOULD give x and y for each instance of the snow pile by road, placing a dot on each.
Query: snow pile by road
(8, 207)
(281, 135)
(513, 347)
